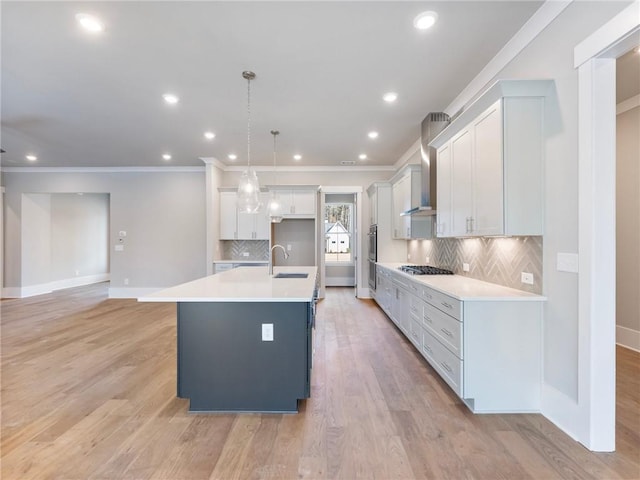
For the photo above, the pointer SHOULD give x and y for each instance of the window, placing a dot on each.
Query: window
(338, 233)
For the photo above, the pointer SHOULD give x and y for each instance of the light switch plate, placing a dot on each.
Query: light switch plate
(267, 332)
(465, 267)
(567, 262)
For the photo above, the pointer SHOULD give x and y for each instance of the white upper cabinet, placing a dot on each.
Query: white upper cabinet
(299, 202)
(490, 168)
(235, 225)
(406, 195)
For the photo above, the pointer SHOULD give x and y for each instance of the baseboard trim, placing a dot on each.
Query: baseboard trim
(121, 292)
(44, 288)
(79, 281)
(339, 281)
(628, 338)
(561, 410)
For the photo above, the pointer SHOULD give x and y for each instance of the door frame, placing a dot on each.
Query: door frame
(595, 60)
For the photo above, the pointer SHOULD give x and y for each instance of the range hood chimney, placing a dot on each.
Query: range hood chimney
(432, 125)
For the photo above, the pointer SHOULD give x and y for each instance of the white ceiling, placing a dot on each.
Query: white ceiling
(81, 100)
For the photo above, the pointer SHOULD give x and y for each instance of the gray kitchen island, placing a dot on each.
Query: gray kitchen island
(244, 339)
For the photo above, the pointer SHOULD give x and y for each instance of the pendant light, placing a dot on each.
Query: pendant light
(249, 186)
(275, 207)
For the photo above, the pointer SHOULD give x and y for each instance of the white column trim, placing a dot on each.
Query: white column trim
(595, 56)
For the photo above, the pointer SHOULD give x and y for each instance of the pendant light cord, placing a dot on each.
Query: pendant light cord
(248, 123)
(275, 133)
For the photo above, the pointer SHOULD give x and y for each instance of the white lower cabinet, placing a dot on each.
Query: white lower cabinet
(487, 351)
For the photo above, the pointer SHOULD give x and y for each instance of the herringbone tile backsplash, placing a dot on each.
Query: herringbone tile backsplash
(234, 249)
(495, 260)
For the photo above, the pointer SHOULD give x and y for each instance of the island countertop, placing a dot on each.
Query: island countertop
(243, 284)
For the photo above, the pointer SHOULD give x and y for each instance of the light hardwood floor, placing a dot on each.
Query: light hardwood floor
(88, 392)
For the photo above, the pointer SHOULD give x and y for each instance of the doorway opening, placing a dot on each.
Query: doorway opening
(339, 240)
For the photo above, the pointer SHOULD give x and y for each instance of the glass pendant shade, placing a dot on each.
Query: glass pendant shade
(248, 197)
(275, 208)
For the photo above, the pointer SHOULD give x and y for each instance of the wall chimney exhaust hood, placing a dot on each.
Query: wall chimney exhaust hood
(432, 125)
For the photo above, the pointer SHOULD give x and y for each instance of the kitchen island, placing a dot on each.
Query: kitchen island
(244, 339)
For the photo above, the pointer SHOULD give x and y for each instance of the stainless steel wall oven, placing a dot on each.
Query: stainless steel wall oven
(373, 255)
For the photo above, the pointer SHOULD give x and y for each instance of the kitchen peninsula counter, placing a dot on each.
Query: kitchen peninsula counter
(244, 339)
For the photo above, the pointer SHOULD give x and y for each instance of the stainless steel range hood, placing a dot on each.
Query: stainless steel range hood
(432, 125)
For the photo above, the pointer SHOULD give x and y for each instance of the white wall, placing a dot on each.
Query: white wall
(36, 239)
(79, 235)
(628, 228)
(163, 214)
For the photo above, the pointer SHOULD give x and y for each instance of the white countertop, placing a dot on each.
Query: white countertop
(466, 288)
(240, 262)
(243, 284)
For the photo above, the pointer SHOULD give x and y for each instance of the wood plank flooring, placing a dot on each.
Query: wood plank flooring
(88, 392)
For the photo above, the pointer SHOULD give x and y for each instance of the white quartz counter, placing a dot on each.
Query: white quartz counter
(465, 288)
(243, 284)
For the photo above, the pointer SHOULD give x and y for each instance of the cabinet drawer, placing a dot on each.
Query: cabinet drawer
(444, 327)
(446, 363)
(416, 332)
(415, 307)
(443, 302)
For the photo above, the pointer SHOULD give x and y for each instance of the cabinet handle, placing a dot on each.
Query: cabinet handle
(427, 348)
(408, 231)
(414, 335)
(427, 318)
(447, 305)
(446, 367)
(446, 332)
(471, 221)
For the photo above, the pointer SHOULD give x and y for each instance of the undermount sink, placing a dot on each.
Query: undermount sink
(291, 275)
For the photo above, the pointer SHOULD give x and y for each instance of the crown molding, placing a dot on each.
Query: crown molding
(314, 168)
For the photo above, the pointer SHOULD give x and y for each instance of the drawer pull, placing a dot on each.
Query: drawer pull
(428, 349)
(447, 305)
(414, 335)
(446, 367)
(428, 318)
(446, 332)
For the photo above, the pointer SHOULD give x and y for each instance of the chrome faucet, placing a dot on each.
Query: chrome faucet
(286, 255)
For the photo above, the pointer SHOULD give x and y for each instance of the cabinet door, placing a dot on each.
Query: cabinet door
(488, 215)
(443, 227)
(228, 215)
(373, 207)
(246, 223)
(304, 202)
(461, 184)
(401, 202)
(262, 225)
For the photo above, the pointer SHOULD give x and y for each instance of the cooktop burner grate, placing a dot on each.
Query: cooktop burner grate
(424, 270)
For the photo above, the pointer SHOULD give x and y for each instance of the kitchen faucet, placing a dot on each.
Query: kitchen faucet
(286, 255)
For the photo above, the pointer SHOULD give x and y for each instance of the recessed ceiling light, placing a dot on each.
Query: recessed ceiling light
(362, 156)
(372, 134)
(89, 23)
(31, 158)
(425, 20)
(170, 98)
(297, 156)
(232, 156)
(166, 156)
(390, 97)
(209, 135)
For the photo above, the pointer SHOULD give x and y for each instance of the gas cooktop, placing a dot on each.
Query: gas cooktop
(424, 270)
